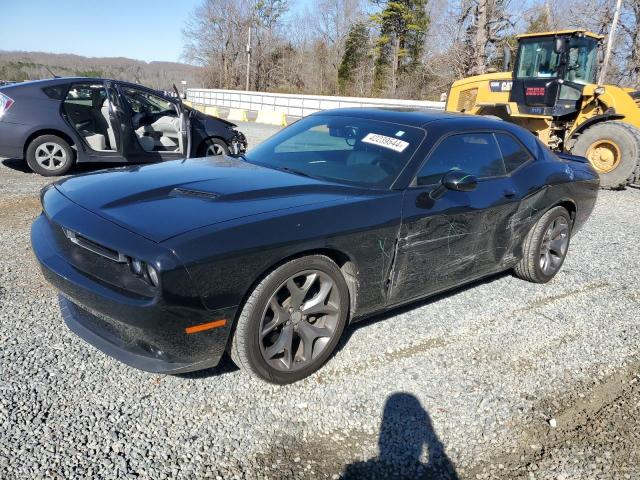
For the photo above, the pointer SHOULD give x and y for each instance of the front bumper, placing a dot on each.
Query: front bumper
(146, 332)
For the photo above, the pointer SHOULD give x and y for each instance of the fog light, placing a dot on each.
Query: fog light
(136, 266)
(153, 275)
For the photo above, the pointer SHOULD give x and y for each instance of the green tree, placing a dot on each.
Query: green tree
(356, 50)
(403, 26)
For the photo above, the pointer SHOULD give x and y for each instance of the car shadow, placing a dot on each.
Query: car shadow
(21, 166)
(388, 314)
(405, 432)
(226, 365)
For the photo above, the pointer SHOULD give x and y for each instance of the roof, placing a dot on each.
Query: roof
(416, 117)
(586, 33)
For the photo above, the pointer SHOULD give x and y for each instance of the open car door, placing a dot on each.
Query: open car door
(185, 124)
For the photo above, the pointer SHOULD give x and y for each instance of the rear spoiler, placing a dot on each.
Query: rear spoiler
(572, 158)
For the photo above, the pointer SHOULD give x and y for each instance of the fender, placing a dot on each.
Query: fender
(593, 120)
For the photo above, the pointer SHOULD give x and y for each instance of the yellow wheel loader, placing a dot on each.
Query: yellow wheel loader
(552, 91)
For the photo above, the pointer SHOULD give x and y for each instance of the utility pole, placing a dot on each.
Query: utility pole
(248, 60)
(612, 34)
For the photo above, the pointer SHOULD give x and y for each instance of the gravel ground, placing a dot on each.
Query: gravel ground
(501, 379)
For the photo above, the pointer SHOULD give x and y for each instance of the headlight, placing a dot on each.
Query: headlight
(153, 275)
(144, 270)
(136, 266)
(599, 90)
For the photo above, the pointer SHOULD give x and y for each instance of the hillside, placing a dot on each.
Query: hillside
(31, 66)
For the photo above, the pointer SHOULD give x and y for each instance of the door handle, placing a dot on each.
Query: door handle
(509, 193)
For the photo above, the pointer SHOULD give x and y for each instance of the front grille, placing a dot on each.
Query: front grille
(467, 99)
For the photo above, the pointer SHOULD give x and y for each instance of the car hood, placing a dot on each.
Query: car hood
(167, 199)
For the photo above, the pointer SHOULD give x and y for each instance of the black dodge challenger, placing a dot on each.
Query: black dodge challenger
(268, 256)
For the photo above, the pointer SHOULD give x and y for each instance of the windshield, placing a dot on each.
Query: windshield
(348, 150)
(538, 59)
(582, 61)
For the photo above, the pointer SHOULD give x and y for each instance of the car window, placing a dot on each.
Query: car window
(513, 153)
(140, 101)
(56, 92)
(473, 153)
(89, 95)
(357, 151)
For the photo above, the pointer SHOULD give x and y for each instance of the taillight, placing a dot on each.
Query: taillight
(5, 104)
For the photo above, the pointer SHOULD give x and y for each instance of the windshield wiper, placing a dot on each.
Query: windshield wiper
(294, 171)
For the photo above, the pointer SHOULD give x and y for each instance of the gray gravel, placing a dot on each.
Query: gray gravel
(465, 385)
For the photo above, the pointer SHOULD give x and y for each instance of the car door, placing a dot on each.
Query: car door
(135, 100)
(460, 235)
(185, 125)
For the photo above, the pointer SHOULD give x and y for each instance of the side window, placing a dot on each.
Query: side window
(513, 153)
(140, 101)
(56, 92)
(473, 153)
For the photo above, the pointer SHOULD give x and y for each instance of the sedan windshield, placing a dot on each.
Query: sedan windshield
(348, 150)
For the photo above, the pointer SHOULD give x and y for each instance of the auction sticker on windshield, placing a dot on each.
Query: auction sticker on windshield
(386, 142)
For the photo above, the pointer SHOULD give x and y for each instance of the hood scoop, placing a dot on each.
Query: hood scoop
(191, 192)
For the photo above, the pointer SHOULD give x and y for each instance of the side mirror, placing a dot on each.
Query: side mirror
(558, 47)
(455, 180)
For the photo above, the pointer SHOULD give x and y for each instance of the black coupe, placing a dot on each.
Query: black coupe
(343, 214)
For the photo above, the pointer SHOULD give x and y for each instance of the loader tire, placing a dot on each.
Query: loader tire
(613, 150)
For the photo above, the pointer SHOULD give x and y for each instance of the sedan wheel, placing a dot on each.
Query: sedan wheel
(214, 149)
(292, 321)
(49, 155)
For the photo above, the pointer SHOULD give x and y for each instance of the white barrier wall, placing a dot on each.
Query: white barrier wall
(293, 104)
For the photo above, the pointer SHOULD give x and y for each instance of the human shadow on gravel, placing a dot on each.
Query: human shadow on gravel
(406, 428)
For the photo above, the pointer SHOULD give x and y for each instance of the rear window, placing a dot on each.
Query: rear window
(56, 92)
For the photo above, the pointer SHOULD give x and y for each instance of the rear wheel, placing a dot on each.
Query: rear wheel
(613, 149)
(49, 155)
(292, 321)
(545, 247)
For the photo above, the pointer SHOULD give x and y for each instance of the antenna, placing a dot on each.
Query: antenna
(49, 70)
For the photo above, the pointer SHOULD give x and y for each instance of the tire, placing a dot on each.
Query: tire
(210, 145)
(531, 266)
(619, 139)
(50, 156)
(260, 335)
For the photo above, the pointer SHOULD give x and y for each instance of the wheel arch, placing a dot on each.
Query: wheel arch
(47, 131)
(345, 263)
(569, 205)
(593, 121)
(210, 137)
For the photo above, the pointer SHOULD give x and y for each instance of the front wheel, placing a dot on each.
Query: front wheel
(292, 320)
(545, 247)
(212, 147)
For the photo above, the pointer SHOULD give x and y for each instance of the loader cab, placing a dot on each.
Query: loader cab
(551, 71)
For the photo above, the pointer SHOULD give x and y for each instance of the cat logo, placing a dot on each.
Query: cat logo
(500, 86)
